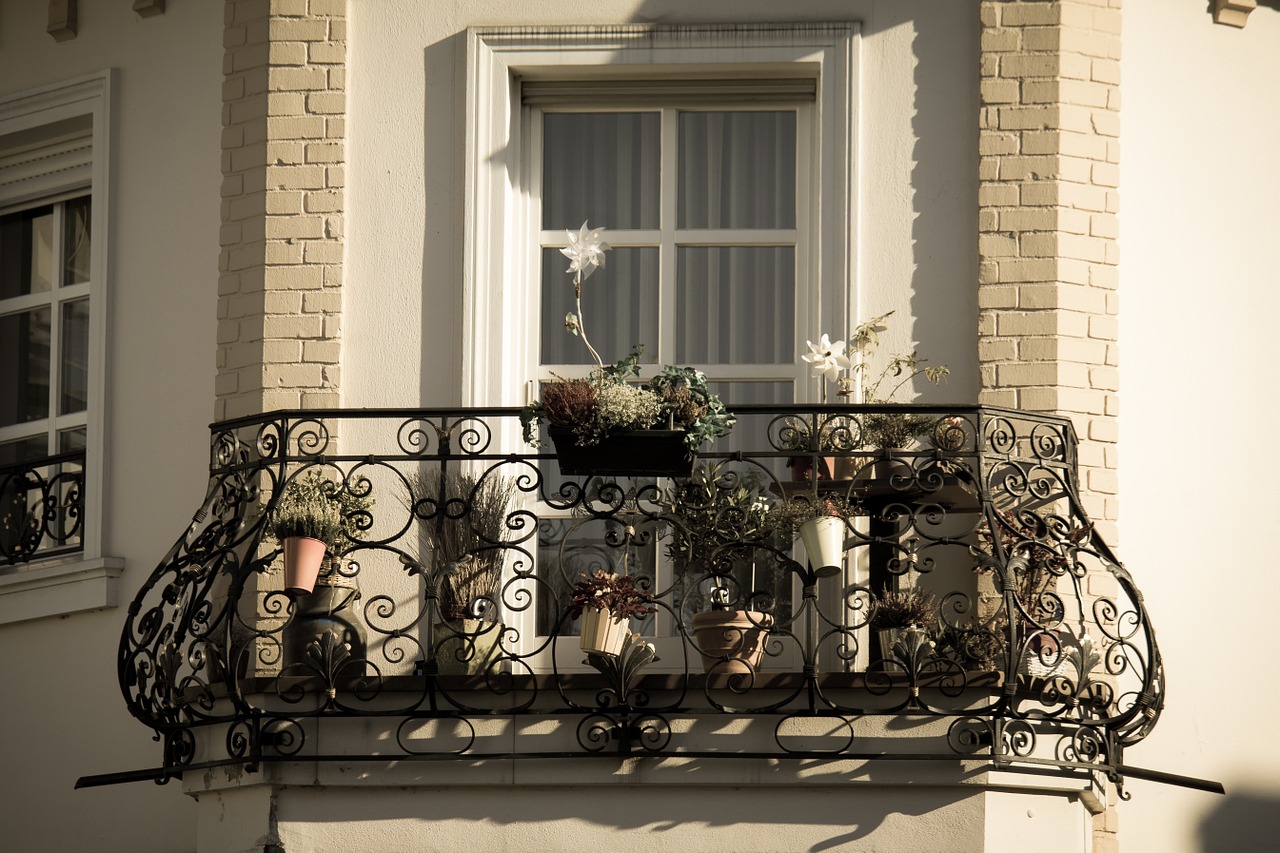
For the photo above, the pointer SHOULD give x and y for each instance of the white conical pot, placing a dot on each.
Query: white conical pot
(823, 540)
(602, 632)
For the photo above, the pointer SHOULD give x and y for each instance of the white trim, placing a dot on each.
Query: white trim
(499, 240)
(55, 590)
(89, 95)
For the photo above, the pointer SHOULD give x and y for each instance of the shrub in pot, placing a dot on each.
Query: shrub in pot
(606, 602)
(313, 517)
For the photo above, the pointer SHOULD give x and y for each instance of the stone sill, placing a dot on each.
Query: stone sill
(59, 587)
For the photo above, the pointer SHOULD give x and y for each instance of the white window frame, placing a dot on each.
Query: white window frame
(501, 238)
(87, 580)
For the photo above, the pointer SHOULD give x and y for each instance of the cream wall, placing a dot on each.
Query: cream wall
(1199, 301)
(62, 716)
(403, 298)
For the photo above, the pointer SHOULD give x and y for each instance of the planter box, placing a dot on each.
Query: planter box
(629, 453)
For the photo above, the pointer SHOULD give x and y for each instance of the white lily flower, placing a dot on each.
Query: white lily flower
(585, 250)
(827, 357)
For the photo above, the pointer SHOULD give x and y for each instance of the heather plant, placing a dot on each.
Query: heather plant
(318, 508)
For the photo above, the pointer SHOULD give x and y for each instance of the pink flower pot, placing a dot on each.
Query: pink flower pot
(302, 559)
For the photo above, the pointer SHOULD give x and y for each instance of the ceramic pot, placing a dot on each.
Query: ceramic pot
(466, 646)
(602, 632)
(823, 539)
(302, 559)
(731, 641)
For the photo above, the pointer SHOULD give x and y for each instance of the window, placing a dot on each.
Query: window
(53, 192)
(719, 158)
(669, 97)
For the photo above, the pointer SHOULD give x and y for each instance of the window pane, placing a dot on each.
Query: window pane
(74, 375)
(735, 305)
(23, 450)
(24, 366)
(748, 435)
(75, 241)
(70, 440)
(737, 170)
(26, 252)
(600, 167)
(619, 307)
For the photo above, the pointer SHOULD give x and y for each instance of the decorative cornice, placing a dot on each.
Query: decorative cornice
(1233, 13)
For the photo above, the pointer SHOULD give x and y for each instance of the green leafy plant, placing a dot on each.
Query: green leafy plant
(787, 517)
(611, 398)
(619, 594)
(318, 508)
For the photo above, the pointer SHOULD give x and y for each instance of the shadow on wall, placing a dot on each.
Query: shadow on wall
(1242, 823)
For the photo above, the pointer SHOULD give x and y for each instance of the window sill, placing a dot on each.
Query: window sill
(56, 590)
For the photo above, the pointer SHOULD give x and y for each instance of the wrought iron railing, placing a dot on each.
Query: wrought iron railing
(1029, 644)
(41, 507)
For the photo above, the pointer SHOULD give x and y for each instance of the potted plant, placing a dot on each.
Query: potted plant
(609, 424)
(898, 610)
(311, 519)
(849, 364)
(718, 519)
(1036, 558)
(463, 522)
(606, 601)
(821, 523)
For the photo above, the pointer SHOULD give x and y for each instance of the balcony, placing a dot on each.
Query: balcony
(1027, 645)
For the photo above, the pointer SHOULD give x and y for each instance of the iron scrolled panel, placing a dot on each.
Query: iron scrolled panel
(971, 589)
(41, 507)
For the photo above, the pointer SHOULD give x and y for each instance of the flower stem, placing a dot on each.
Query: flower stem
(582, 329)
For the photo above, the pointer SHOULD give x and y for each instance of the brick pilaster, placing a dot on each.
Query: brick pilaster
(1048, 199)
(280, 288)
(1047, 219)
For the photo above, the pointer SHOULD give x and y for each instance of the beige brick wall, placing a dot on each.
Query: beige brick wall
(1048, 200)
(1049, 171)
(280, 288)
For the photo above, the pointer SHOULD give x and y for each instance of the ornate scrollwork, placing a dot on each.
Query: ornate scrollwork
(1035, 645)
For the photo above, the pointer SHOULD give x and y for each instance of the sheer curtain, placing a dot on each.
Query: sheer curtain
(730, 287)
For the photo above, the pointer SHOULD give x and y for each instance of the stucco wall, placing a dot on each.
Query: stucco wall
(1199, 255)
(403, 299)
(62, 716)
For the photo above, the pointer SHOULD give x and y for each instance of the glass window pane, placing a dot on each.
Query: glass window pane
(74, 369)
(71, 440)
(600, 167)
(23, 450)
(24, 366)
(26, 252)
(75, 241)
(619, 307)
(737, 170)
(735, 305)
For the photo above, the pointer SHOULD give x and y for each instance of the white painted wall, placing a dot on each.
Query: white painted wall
(62, 716)
(1199, 301)
(403, 301)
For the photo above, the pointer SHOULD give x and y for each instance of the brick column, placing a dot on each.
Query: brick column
(1047, 220)
(280, 289)
(1048, 199)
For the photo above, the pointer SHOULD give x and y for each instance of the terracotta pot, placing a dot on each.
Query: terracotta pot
(802, 468)
(302, 559)
(731, 641)
(823, 539)
(602, 632)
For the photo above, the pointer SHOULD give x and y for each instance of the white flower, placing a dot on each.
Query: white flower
(585, 250)
(827, 357)
(571, 324)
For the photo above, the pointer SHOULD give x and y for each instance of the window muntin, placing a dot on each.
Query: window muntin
(44, 345)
